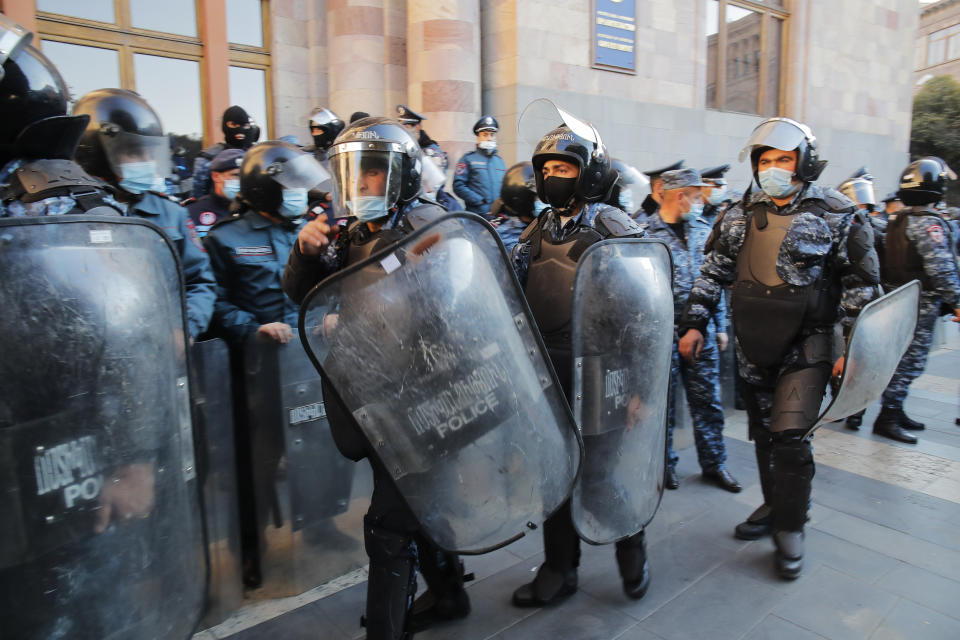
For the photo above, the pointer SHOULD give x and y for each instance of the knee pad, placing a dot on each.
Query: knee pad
(796, 401)
(791, 449)
(386, 545)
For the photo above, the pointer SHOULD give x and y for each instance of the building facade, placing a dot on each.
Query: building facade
(937, 51)
(703, 71)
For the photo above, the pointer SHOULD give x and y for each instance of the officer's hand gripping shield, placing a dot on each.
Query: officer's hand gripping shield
(622, 344)
(101, 534)
(880, 336)
(431, 347)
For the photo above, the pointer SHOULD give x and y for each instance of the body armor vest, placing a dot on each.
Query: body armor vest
(768, 313)
(41, 179)
(549, 290)
(901, 260)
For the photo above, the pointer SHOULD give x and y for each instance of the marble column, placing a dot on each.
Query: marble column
(443, 70)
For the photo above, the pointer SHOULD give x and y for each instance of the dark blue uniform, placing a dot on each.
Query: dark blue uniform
(197, 275)
(207, 211)
(477, 179)
(248, 254)
(701, 379)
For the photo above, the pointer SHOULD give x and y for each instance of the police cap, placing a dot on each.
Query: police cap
(406, 115)
(653, 174)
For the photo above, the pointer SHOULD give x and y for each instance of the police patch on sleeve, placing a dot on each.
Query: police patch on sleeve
(461, 168)
(936, 233)
(208, 218)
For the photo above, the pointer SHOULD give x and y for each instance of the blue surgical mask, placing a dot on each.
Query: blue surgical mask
(777, 182)
(368, 208)
(294, 203)
(717, 196)
(696, 210)
(231, 188)
(140, 176)
(488, 145)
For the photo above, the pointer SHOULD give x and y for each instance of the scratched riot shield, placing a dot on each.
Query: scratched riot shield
(880, 337)
(431, 347)
(310, 500)
(622, 343)
(101, 534)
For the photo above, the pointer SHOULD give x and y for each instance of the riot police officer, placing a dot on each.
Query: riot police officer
(573, 177)
(325, 126)
(919, 245)
(215, 206)
(413, 122)
(716, 196)
(652, 202)
(514, 210)
(795, 254)
(38, 139)
(124, 146)
(477, 177)
(377, 169)
(679, 224)
(239, 132)
(438, 157)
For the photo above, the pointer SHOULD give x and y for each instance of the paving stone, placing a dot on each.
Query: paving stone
(776, 628)
(923, 587)
(836, 606)
(910, 620)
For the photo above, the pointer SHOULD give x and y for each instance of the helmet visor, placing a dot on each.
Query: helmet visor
(542, 116)
(860, 191)
(432, 177)
(301, 172)
(13, 37)
(778, 133)
(366, 180)
(122, 147)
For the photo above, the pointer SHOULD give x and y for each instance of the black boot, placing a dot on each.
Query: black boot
(445, 598)
(632, 562)
(789, 553)
(853, 422)
(888, 425)
(549, 587)
(756, 525)
(909, 423)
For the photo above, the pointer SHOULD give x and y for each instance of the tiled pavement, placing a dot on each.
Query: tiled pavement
(883, 554)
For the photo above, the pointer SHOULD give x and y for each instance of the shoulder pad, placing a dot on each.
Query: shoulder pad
(423, 214)
(43, 175)
(616, 224)
(837, 202)
(528, 232)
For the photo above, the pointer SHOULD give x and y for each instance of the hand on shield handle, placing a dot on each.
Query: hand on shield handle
(691, 344)
(956, 315)
(127, 493)
(636, 412)
(315, 235)
(276, 331)
(838, 367)
(723, 341)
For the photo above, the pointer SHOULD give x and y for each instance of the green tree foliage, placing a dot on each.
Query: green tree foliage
(936, 126)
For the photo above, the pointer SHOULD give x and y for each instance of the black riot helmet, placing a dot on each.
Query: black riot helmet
(924, 181)
(123, 129)
(859, 188)
(586, 151)
(272, 167)
(329, 125)
(33, 120)
(787, 135)
(375, 145)
(518, 191)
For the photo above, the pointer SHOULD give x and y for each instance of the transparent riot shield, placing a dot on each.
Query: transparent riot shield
(310, 500)
(880, 337)
(213, 415)
(622, 343)
(101, 534)
(431, 346)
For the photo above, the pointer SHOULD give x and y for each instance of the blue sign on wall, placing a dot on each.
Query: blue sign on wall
(615, 34)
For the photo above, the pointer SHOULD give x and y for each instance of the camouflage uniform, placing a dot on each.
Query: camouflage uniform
(818, 247)
(702, 378)
(933, 240)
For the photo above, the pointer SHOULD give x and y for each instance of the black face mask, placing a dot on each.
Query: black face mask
(559, 191)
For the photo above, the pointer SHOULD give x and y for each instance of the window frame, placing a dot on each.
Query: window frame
(127, 40)
(769, 13)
